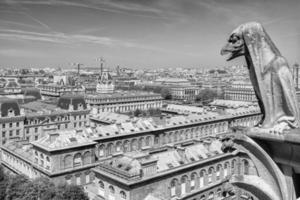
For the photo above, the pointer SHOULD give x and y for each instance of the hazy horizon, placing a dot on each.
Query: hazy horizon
(137, 33)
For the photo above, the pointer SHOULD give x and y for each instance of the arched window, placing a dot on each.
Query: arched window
(170, 137)
(211, 196)
(163, 138)
(141, 143)
(68, 161)
(218, 173)
(246, 167)
(226, 169)
(123, 195)
(148, 141)
(111, 189)
(193, 181)
(183, 185)
(110, 147)
(126, 146)
(101, 151)
(156, 140)
(111, 194)
(201, 179)
(175, 136)
(134, 145)
(219, 193)
(202, 197)
(174, 183)
(233, 165)
(101, 188)
(87, 158)
(77, 161)
(210, 175)
(119, 146)
(87, 178)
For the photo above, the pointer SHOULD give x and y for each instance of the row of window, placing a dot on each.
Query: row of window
(19, 165)
(124, 146)
(111, 192)
(57, 119)
(11, 124)
(78, 179)
(77, 160)
(11, 133)
(42, 160)
(125, 108)
(186, 184)
(133, 98)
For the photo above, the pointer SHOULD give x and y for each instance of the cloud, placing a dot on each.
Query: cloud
(71, 39)
(20, 53)
(62, 38)
(107, 6)
(17, 23)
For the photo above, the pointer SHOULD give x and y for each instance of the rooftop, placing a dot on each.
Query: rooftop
(183, 108)
(110, 117)
(232, 104)
(134, 126)
(21, 148)
(65, 139)
(120, 94)
(132, 167)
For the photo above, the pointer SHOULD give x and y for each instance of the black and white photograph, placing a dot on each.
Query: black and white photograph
(149, 100)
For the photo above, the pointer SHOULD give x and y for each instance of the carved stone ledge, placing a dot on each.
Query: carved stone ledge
(273, 179)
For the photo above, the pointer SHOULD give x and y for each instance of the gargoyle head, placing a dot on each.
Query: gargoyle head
(235, 46)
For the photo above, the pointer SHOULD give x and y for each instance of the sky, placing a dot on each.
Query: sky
(137, 33)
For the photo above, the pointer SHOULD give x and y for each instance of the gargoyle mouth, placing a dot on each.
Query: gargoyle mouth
(229, 55)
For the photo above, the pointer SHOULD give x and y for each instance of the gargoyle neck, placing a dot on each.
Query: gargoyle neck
(265, 53)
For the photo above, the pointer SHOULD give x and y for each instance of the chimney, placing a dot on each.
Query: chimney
(53, 136)
(148, 167)
(181, 152)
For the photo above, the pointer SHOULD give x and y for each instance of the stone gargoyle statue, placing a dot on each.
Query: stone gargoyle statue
(270, 75)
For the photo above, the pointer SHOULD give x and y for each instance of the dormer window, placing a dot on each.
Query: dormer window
(80, 106)
(10, 112)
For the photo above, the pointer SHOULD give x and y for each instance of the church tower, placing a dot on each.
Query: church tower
(105, 83)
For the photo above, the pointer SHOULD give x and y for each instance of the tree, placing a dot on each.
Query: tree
(3, 183)
(15, 188)
(153, 111)
(166, 93)
(137, 112)
(39, 189)
(70, 192)
(206, 95)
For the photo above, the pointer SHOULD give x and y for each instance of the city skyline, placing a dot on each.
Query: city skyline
(159, 33)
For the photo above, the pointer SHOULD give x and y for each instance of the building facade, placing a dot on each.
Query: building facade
(240, 91)
(34, 120)
(55, 90)
(123, 102)
(198, 170)
(188, 93)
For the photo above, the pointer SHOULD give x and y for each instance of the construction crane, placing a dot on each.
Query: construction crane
(102, 61)
(78, 67)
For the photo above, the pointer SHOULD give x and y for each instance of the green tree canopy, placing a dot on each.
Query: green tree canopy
(206, 95)
(3, 183)
(15, 188)
(70, 192)
(166, 93)
(39, 189)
